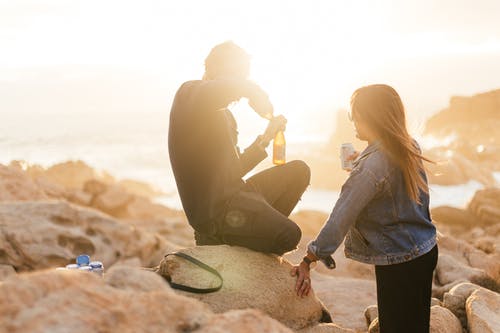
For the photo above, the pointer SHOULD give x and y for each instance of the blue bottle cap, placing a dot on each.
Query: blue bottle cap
(83, 260)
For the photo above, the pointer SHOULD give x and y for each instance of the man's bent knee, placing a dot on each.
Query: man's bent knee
(289, 239)
(301, 171)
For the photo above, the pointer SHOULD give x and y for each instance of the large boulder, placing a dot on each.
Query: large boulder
(140, 188)
(117, 200)
(72, 301)
(42, 234)
(455, 299)
(449, 269)
(15, 185)
(251, 280)
(74, 174)
(472, 264)
(486, 206)
(126, 300)
(483, 312)
(453, 217)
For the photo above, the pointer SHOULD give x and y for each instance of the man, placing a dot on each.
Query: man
(209, 167)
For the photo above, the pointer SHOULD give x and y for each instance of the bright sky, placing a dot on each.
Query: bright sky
(309, 55)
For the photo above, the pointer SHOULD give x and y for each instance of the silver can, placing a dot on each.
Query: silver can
(346, 150)
(97, 267)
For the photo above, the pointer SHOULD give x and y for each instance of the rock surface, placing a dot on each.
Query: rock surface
(251, 280)
(6, 271)
(127, 300)
(483, 312)
(243, 321)
(486, 206)
(345, 298)
(17, 186)
(72, 301)
(37, 235)
(47, 219)
(455, 299)
(444, 321)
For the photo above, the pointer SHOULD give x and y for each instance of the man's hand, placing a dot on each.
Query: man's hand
(275, 125)
(303, 283)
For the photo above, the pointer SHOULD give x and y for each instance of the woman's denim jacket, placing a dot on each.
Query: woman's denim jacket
(380, 223)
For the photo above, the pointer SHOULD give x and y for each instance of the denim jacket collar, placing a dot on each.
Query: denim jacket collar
(371, 148)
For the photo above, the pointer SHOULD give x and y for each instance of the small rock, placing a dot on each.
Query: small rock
(326, 328)
(455, 299)
(444, 321)
(129, 278)
(374, 326)
(483, 312)
(371, 313)
(6, 271)
(435, 301)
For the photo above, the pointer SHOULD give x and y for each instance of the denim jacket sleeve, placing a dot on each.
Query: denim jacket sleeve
(359, 189)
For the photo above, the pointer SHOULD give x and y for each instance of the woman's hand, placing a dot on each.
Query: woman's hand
(303, 283)
(352, 157)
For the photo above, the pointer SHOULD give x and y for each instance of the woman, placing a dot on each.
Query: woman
(383, 213)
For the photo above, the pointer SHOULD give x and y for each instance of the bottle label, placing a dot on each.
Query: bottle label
(279, 154)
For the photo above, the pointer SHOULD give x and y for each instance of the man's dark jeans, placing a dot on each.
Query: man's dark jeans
(257, 216)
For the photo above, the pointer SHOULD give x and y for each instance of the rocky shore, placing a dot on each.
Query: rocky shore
(49, 216)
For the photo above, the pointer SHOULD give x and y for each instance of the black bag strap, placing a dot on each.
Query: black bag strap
(201, 265)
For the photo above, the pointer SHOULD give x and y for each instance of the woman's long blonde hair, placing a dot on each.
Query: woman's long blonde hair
(381, 108)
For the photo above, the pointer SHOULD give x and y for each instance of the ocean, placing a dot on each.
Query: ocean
(134, 146)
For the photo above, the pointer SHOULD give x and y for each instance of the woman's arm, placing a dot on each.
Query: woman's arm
(356, 193)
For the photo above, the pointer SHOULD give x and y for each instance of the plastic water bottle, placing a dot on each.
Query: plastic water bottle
(84, 264)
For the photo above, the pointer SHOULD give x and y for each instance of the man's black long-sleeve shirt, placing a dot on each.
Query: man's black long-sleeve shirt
(202, 142)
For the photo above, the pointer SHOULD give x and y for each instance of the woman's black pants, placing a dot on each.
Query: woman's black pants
(404, 294)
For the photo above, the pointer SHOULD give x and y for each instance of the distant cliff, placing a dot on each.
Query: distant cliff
(475, 118)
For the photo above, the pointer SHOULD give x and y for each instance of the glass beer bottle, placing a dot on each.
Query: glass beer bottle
(279, 149)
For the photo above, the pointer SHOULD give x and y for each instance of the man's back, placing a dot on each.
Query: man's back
(202, 153)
